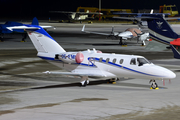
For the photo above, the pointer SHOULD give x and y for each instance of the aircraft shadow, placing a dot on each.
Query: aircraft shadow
(98, 82)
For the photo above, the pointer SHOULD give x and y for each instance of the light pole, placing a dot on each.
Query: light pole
(99, 10)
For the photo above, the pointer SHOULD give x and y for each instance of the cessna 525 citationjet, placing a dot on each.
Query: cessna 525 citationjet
(92, 63)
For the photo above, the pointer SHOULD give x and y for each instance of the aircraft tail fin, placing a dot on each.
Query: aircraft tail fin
(43, 42)
(35, 21)
(160, 30)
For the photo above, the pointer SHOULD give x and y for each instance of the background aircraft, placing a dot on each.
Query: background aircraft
(127, 34)
(4, 30)
(140, 18)
(162, 35)
(92, 63)
(78, 15)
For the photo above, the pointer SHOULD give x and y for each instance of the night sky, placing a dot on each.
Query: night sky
(27, 9)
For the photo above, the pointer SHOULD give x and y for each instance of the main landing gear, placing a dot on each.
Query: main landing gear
(84, 81)
(154, 85)
(1, 37)
(113, 80)
(122, 43)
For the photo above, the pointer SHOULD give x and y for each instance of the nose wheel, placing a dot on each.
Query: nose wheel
(84, 81)
(154, 85)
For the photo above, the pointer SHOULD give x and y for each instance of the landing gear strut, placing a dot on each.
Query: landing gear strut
(24, 37)
(1, 37)
(121, 42)
(84, 81)
(154, 85)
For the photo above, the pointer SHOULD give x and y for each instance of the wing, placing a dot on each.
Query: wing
(76, 74)
(172, 18)
(126, 18)
(79, 13)
(61, 12)
(94, 32)
(85, 73)
(156, 46)
(90, 13)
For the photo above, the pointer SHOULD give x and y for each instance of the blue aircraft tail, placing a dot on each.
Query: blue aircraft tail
(35, 21)
(160, 30)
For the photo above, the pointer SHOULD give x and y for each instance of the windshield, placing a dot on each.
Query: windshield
(142, 61)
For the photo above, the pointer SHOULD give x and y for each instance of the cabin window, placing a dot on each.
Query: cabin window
(114, 60)
(121, 61)
(142, 61)
(100, 60)
(133, 61)
(107, 60)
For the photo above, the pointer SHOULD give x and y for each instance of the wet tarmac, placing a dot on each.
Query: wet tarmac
(27, 93)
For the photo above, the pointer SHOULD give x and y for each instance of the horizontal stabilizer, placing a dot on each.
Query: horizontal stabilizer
(22, 27)
(45, 27)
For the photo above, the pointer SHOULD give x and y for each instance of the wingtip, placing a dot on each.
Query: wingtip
(83, 28)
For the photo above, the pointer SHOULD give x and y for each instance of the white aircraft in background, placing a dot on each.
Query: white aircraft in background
(92, 63)
(130, 33)
(78, 15)
(140, 18)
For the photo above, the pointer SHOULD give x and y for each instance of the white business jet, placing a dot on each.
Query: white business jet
(129, 33)
(92, 63)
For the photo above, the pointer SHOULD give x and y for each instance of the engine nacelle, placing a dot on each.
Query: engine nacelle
(79, 57)
(71, 57)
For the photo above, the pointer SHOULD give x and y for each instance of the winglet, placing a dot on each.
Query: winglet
(35, 21)
(83, 28)
(175, 52)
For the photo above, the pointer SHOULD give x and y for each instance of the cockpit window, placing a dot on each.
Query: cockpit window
(133, 61)
(142, 61)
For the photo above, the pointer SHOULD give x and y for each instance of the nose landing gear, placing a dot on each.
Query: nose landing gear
(154, 85)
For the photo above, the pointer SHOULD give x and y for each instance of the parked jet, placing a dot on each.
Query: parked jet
(77, 15)
(92, 63)
(127, 34)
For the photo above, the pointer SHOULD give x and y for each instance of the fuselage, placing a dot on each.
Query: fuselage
(110, 65)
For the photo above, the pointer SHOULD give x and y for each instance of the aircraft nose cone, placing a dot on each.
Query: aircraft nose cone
(171, 74)
(168, 74)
